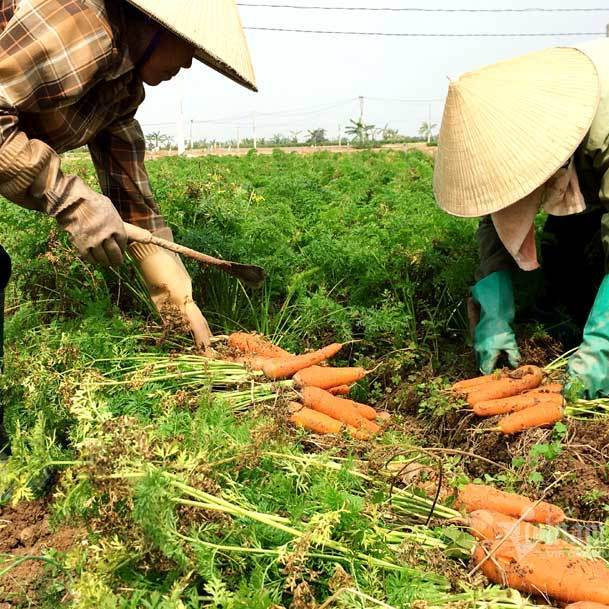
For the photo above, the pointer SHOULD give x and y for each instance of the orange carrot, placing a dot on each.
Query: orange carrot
(337, 408)
(547, 388)
(493, 526)
(586, 605)
(516, 403)
(340, 390)
(538, 416)
(469, 384)
(383, 415)
(317, 422)
(254, 344)
(474, 497)
(281, 368)
(551, 570)
(326, 377)
(522, 379)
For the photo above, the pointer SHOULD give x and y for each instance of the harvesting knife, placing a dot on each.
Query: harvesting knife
(250, 274)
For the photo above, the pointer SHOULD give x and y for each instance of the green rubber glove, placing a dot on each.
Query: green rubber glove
(588, 369)
(493, 334)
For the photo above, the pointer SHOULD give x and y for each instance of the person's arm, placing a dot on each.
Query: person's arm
(588, 368)
(493, 255)
(49, 53)
(118, 155)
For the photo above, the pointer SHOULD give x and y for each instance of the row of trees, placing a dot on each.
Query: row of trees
(358, 132)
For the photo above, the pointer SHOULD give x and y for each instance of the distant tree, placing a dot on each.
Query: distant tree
(317, 137)
(295, 135)
(390, 135)
(426, 130)
(360, 131)
(279, 140)
(154, 140)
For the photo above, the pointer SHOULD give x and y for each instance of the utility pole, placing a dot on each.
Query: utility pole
(238, 138)
(361, 109)
(180, 129)
(339, 134)
(429, 123)
(254, 130)
(190, 137)
(608, 30)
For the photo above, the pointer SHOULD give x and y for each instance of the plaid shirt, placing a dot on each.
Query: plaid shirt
(66, 80)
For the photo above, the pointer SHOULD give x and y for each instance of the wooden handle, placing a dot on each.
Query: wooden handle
(251, 274)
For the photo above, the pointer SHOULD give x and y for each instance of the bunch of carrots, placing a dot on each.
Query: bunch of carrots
(519, 395)
(511, 551)
(322, 406)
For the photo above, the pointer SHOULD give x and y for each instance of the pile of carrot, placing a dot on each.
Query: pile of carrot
(321, 408)
(511, 551)
(518, 395)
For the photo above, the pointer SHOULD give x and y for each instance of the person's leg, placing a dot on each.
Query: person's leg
(5, 275)
(573, 265)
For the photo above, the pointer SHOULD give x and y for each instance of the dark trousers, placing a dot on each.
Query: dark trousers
(573, 262)
(5, 275)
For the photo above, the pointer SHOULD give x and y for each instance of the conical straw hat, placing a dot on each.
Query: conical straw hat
(214, 27)
(507, 128)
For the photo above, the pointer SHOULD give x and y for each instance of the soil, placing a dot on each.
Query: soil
(581, 466)
(25, 531)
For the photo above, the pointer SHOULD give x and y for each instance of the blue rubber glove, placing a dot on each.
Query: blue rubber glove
(588, 369)
(493, 334)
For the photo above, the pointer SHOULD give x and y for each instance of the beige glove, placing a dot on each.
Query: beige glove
(31, 176)
(170, 285)
(95, 227)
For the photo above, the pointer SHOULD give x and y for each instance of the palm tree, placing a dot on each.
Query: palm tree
(317, 137)
(360, 131)
(426, 130)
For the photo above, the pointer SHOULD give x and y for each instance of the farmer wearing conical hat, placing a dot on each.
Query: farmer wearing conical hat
(519, 137)
(72, 72)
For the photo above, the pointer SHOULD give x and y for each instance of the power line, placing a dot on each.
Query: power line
(429, 35)
(597, 9)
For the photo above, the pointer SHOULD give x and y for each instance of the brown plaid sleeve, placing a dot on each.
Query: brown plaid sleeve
(50, 53)
(118, 155)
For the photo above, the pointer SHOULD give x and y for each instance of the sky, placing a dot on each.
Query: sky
(308, 81)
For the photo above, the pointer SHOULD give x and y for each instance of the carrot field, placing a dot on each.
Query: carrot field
(146, 475)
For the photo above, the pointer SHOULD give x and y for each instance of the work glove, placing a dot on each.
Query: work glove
(34, 180)
(95, 227)
(588, 368)
(170, 286)
(493, 334)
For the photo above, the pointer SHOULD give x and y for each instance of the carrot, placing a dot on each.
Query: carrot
(340, 390)
(547, 388)
(586, 605)
(383, 415)
(254, 344)
(522, 379)
(551, 570)
(281, 368)
(311, 420)
(469, 384)
(481, 497)
(516, 403)
(538, 416)
(326, 377)
(314, 421)
(337, 408)
(493, 526)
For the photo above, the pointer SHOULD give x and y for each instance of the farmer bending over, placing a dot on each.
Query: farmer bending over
(72, 72)
(517, 138)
